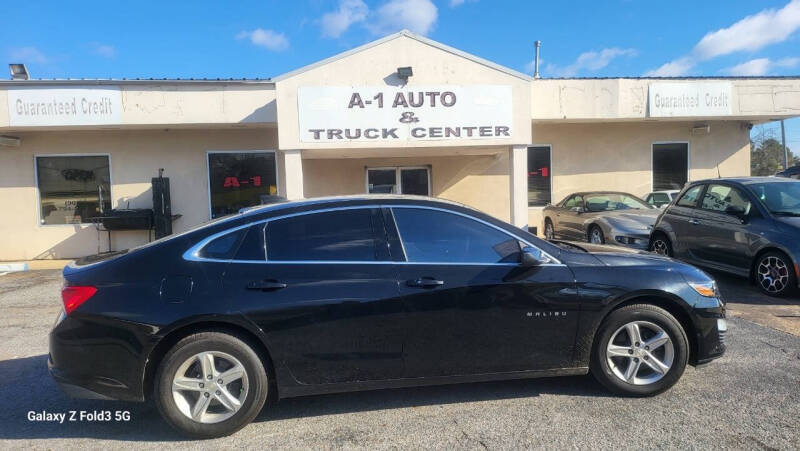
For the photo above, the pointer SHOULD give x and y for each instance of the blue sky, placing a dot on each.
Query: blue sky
(266, 38)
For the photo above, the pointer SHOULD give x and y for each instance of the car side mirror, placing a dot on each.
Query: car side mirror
(532, 256)
(578, 210)
(735, 210)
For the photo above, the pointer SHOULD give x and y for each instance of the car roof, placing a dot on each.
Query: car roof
(747, 180)
(334, 201)
(584, 193)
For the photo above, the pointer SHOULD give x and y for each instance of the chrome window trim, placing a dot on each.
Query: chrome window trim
(192, 253)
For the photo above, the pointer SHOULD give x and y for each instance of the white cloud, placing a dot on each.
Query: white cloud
(269, 39)
(104, 50)
(676, 68)
(761, 66)
(418, 16)
(27, 55)
(591, 61)
(752, 33)
(337, 22)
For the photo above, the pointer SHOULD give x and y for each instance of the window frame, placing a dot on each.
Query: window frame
(191, 254)
(742, 193)
(397, 177)
(653, 156)
(39, 194)
(208, 172)
(552, 171)
(703, 186)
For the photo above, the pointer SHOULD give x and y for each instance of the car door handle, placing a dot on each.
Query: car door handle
(265, 285)
(694, 222)
(425, 282)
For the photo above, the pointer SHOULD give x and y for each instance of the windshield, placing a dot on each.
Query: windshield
(779, 198)
(614, 201)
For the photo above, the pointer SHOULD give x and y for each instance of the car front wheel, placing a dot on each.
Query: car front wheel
(639, 350)
(549, 233)
(596, 235)
(774, 274)
(210, 384)
(661, 245)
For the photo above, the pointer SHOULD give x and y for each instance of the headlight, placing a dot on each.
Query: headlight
(707, 289)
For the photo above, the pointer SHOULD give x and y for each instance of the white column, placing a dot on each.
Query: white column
(518, 181)
(292, 174)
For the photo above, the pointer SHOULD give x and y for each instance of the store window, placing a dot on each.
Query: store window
(73, 189)
(399, 180)
(539, 176)
(240, 179)
(670, 166)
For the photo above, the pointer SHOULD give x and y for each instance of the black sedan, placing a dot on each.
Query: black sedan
(355, 293)
(601, 217)
(748, 226)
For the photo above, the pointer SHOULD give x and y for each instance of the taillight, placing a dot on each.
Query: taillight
(74, 296)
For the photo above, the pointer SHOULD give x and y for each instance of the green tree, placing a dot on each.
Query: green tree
(766, 154)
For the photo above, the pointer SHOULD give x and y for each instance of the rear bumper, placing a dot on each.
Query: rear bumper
(91, 361)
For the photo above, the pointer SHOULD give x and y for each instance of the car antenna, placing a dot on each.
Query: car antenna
(718, 174)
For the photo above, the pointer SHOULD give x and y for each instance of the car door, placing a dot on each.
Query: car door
(325, 296)
(723, 234)
(571, 220)
(471, 308)
(682, 222)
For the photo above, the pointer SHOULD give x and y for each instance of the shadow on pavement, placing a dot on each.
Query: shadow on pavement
(742, 291)
(27, 387)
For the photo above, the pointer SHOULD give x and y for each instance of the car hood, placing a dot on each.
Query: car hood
(624, 256)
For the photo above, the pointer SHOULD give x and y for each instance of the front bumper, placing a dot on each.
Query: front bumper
(711, 328)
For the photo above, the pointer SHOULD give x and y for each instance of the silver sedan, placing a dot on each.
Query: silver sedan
(601, 217)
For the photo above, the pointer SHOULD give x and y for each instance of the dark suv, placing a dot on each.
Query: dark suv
(748, 226)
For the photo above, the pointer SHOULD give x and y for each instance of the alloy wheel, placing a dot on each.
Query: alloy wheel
(210, 387)
(640, 353)
(596, 236)
(773, 274)
(548, 231)
(660, 247)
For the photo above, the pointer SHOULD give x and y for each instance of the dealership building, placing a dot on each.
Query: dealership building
(402, 114)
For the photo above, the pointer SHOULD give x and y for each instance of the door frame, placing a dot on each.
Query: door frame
(652, 161)
(398, 179)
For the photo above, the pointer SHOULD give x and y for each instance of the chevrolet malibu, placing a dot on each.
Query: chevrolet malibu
(357, 293)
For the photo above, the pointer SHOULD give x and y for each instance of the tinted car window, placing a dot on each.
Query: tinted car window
(689, 199)
(223, 247)
(341, 235)
(252, 247)
(438, 236)
(725, 199)
(613, 201)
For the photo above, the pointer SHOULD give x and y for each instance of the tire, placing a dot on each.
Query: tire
(595, 235)
(652, 322)
(549, 232)
(774, 274)
(227, 352)
(661, 245)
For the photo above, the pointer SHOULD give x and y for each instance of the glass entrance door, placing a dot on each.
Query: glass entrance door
(399, 180)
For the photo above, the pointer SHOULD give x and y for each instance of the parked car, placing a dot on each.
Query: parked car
(601, 217)
(661, 199)
(792, 172)
(352, 293)
(747, 226)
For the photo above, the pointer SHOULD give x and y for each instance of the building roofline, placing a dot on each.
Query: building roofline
(408, 34)
(136, 81)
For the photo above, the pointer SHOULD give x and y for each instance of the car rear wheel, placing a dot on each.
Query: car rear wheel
(549, 233)
(639, 350)
(775, 275)
(210, 384)
(596, 235)
(661, 245)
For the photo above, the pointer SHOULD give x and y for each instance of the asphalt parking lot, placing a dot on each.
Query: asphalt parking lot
(750, 398)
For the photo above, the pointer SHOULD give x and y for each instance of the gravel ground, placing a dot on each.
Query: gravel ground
(748, 399)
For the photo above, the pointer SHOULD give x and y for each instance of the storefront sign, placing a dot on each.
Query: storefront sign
(690, 99)
(418, 113)
(64, 106)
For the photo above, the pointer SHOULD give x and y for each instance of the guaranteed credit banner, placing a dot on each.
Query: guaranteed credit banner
(386, 113)
(64, 106)
(690, 99)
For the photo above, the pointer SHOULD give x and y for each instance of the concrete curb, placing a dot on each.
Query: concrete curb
(13, 267)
